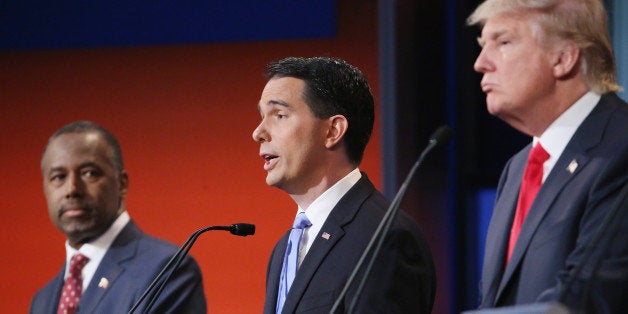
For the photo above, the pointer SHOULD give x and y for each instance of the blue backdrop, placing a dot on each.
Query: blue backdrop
(36, 24)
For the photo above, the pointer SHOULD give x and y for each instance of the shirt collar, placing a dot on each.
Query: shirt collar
(96, 249)
(559, 133)
(318, 211)
(322, 206)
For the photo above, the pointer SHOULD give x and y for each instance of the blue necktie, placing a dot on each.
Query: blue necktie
(290, 259)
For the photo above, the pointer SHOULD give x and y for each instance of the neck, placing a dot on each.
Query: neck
(309, 195)
(538, 120)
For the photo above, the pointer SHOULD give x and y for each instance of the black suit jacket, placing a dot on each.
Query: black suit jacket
(129, 266)
(402, 279)
(563, 219)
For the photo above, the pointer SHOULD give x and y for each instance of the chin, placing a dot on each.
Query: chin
(492, 108)
(271, 181)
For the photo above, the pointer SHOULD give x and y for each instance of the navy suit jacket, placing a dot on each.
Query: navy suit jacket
(402, 279)
(130, 265)
(563, 219)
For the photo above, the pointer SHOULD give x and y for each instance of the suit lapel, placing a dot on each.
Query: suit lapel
(123, 248)
(499, 229)
(331, 232)
(551, 188)
(57, 286)
(274, 273)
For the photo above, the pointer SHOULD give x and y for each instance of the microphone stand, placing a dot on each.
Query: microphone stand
(441, 135)
(237, 229)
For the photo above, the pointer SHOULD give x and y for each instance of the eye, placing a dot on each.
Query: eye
(281, 116)
(57, 177)
(91, 173)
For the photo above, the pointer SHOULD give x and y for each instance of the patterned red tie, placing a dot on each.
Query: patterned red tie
(532, 179)
(73, 287)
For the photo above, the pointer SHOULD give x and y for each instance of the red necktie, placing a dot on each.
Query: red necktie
(532, 179)
(73, 287)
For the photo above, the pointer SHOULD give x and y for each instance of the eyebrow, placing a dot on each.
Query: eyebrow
(491, 36)
(481, 41)
(56, 169)
(274, 103)
(81, 166)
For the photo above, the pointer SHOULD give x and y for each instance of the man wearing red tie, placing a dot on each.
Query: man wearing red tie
(548, 71)
(109, 260)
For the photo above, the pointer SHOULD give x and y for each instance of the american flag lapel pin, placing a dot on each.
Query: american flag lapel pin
(573, 165)
(103, 283)
(325, 235)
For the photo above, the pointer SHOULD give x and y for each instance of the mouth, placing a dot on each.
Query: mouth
(73, 211)
(486, 87)
(270, 161)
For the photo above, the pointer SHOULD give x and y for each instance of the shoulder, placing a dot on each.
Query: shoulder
(44, 296)
(146, 250)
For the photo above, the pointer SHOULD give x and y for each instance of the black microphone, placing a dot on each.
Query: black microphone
(242, 229)
(441, 135)
(239, 229)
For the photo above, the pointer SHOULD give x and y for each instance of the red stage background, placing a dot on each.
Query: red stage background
(184, 117)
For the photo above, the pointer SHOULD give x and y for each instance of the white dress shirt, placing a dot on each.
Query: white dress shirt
(96, 249)
(319, 210)
(559, 133)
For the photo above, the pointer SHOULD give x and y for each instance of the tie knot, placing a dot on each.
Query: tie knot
(77, 263)
(301, 221)
(538, 154)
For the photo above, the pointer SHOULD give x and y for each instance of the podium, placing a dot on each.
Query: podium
(536, 308)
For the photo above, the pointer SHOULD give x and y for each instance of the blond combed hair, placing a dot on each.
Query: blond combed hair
(582, 21)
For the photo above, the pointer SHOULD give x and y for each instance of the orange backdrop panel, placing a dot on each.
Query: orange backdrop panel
(184, 117)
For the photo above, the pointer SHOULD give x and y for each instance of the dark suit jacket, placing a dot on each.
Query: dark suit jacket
(130, 265)
(563, 219)
(402, 279)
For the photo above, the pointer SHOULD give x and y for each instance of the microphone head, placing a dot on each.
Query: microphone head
(441, 135)
(242, 229)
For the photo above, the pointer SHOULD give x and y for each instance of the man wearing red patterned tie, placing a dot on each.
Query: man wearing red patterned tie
(548, 71)
(109, 260)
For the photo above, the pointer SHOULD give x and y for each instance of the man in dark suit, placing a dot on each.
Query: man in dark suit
(316, 118)
(549, 72)
(85, 186)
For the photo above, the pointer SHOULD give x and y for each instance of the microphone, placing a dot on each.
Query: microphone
(239, 229)
(242, 229)
(440, 136)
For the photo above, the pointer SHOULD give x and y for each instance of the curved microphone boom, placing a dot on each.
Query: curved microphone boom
(441, 135)
(239, 229)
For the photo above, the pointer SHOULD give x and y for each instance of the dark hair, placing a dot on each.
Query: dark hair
(86, 127)
(332, 86)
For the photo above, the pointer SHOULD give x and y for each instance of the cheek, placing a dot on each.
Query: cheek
(53, 197)
(533, 84)
(109, 192)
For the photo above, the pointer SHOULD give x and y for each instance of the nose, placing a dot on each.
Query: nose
(74, 185)
(260, 134)
(483, 64)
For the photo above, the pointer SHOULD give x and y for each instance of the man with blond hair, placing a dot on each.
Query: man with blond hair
(549, 72)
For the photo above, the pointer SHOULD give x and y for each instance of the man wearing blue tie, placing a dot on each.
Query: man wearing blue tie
(316, 119)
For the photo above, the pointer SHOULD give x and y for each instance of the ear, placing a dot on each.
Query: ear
(338, 126)
(565, 59)
(123, 179)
